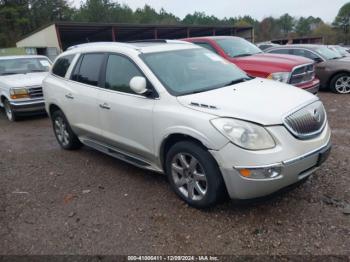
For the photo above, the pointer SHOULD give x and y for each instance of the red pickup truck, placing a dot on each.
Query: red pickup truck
(294, 70)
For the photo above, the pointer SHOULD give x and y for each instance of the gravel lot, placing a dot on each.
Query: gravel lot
(84, 202)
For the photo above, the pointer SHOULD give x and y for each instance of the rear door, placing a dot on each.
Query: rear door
(81, 95)
(126, 117)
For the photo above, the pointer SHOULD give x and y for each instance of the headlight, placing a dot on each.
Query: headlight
(17, 93)
(244, 134)
(280, 76)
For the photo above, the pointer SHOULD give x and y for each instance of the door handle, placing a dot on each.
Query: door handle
(105, 106)
(69, 96)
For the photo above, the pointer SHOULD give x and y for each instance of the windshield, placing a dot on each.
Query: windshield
(236, 47)
(327, 53)
(23, 65)
(192, 70)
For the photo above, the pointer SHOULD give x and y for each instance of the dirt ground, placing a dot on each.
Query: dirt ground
(84, 202)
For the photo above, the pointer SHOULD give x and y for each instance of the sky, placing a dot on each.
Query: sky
(258, 9)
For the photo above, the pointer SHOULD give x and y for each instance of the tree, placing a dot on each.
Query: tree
(328, 33)
(286, 23)
(268, 29)
(342, 21)
(200, 18)
(14, 21)
(303, 26)
(46, 11)
(343, 18)
(95, 11)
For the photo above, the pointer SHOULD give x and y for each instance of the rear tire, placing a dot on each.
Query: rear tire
(63, 132)
(10, 114)
(194, 175)
(340, 83)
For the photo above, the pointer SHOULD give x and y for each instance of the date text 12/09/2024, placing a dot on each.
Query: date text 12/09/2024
(173, 258)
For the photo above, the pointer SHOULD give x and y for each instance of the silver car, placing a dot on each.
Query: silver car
(182, 110)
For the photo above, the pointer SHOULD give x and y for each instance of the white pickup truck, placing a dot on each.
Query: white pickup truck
(21, 84)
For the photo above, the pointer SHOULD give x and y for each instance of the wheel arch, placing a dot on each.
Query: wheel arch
(2, 98)
(53, 108)
(335, 74)
(172, 139)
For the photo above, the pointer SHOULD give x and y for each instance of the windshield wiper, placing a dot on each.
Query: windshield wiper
(242, 55)
(37, 70)
(9, 73)
(236, 81)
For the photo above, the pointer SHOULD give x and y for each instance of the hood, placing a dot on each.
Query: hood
(259, 100)
(270, 63)
(23, 80)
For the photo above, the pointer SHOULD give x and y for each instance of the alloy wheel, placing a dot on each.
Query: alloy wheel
(61, 131)
(8, 110)
(342, 85)
(189, 176)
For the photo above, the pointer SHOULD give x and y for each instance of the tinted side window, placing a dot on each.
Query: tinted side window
(207, 46)
(62, 64)
(119, 71)
(305, 53)
(89, 70)
(280, 51)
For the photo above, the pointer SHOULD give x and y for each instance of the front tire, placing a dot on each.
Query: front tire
(340, 83)
(10, 114)
(63, 132)
(194, 175)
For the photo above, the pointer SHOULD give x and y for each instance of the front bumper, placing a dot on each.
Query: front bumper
(312, 86)
(28, 107)
(297, 162)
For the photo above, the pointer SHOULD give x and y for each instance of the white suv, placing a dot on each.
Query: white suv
(20, 84)
(180, 109)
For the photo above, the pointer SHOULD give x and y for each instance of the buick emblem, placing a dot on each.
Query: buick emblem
(316, 115)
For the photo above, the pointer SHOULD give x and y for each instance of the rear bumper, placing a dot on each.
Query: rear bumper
(312, 86)
(28, 107)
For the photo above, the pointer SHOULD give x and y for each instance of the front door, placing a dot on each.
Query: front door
(126, 118)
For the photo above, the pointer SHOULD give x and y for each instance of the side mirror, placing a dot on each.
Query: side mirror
(138, 84)
(318, 59)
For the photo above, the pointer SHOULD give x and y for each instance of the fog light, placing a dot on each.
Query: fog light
(261, 173)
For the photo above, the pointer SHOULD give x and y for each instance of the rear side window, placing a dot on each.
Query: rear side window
(305, 53)
(280, 51)
(119, 71)
(62, 64)
(88, 69)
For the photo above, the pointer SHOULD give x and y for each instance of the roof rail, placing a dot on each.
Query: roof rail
(165, 41)
(148, 41)
(99, 43)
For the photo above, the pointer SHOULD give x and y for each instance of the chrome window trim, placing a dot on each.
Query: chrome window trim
(299, 48)
(76, 59)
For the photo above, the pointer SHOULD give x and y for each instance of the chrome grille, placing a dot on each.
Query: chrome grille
(35, 92)
(302, 74)
(308, 121)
